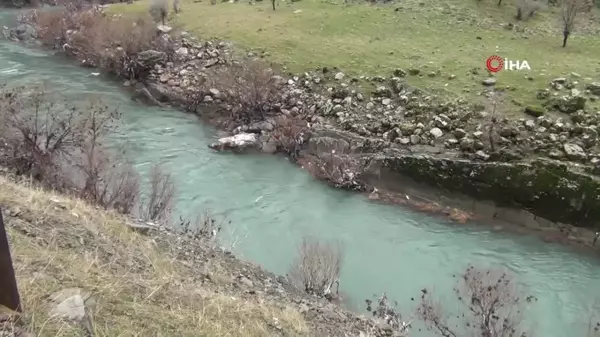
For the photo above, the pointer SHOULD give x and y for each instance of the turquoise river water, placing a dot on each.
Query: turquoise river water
(273, 204)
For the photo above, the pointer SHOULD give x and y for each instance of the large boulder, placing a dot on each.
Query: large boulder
(23, 32)
(237, 143)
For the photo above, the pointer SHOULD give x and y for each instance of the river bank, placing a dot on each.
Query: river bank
(233, 297)
(402, 129)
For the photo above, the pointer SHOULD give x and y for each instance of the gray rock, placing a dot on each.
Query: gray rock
(404, 140)
(339, 76)
(208, 99)
(436, 133)
(239, 142)
(489, 82)
(23, 32)
(594, 88)
(466, 144)
(214, 92)
(183, 51)
(574, 151)
(386, 101)
(459, 133)
(482, 155)
(70, 304)
(415, 139)
(529, 124)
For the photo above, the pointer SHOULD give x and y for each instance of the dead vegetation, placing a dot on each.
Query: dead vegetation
(317, 267)
(61, 147)
(493, 307)
(250, 88)
(134, 286)
(112, 43)
(340, 170)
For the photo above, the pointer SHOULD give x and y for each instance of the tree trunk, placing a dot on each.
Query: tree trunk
(565, 37)
(273, 2)
(519, 14)
(499, 2)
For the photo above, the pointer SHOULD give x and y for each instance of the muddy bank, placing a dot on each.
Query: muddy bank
(394, 130)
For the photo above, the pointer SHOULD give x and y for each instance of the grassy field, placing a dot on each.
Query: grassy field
(138, 288)
(448, 37)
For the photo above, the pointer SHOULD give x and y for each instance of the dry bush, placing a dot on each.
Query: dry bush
(388, 313)
(112, 43)
(205, 227)
(60, 145)
(527, 8)
(290, 134)
(569, 12)
(493, 306)
(159, 199)
(250, 87)
(339, 170)
(40, 137)
(159, 9)
(317, 267)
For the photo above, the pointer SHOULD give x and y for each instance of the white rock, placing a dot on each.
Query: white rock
(436, 132)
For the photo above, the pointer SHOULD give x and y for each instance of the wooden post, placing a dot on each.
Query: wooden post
(9, 294)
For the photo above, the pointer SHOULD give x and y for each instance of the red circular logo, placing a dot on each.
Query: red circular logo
(494, 63)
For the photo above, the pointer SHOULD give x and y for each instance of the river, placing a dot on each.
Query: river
(272, 204)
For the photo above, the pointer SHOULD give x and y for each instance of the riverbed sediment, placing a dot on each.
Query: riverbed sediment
(373, 137)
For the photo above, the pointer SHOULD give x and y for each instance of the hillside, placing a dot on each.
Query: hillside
(447, 41)
(133, 284)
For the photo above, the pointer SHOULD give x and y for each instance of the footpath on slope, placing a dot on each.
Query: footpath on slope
(328, 123)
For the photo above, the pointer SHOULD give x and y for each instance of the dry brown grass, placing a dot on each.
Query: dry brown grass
(139, 289)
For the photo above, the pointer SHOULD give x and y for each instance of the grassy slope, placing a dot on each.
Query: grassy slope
(140, 290)
(433, 35)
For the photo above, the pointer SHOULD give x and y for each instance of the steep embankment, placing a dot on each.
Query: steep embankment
(126, 283)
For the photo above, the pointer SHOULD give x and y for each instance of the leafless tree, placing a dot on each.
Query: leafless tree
(159, 9)
(317, 267)
(527, 8)
(569, 11)
(176, 6)
(40, 134)
(250, 87)
(159, 200)
(490, 296)
(290, 133)
(385, 311)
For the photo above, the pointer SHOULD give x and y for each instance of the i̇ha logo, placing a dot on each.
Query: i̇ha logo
(496, 63)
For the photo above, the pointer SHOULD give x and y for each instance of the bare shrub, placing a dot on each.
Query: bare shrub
(569, 11)
(205, 227)
(388, 313)
(159, 9)
(339, 170)
(317, 267)
(250, 87)
(57, 144)
(290, 134)
(112, 43)
(40, 136)
(159, 199)
(527, 8)
(493, 306)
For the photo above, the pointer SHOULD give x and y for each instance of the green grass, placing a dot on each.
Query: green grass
(447, 36)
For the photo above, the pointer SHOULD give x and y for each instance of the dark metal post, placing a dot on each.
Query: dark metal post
(9, 294)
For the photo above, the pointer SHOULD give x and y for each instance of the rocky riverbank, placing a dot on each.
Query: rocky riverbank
(340, 127)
